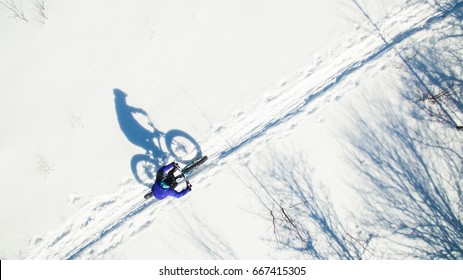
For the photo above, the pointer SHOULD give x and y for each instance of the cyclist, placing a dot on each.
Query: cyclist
(164, 186)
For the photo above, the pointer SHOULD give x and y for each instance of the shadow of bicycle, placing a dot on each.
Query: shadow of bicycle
(160, 148)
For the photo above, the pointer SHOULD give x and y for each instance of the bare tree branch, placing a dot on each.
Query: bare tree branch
(40, 10)
(17, 12)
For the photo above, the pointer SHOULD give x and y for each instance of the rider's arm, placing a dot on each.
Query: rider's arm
(179, 194)
(137, 110)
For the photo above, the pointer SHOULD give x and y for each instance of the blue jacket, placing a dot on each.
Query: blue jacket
(161, 193)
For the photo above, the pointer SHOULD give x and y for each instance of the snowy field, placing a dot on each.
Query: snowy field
(330, 128)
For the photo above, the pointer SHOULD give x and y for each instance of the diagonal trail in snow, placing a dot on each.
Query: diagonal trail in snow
(302, 97)
(106, 222)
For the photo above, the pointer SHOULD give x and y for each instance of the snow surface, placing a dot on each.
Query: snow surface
(315, 152)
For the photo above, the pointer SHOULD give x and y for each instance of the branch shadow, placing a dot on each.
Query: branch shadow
(160, 147)
(432, 68)
(208, 239)
(302, 215)
(434, 71)
(415, 198)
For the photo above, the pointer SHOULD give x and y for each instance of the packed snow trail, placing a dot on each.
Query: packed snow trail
(302, 97)
(110, 220)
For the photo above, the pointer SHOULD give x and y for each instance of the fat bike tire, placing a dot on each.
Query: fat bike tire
(195, 164)
(148, 195)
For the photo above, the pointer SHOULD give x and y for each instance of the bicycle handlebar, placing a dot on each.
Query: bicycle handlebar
(176, 166)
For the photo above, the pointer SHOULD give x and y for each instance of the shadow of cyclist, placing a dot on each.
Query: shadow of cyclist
(178, 145)
(135, 132)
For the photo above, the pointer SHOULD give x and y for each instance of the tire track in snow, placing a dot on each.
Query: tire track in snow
(138, 208)
(94, 221)
(106, 222)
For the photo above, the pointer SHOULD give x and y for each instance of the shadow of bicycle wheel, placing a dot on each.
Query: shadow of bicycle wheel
(181, 146)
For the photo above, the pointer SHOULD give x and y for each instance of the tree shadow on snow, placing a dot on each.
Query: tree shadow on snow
(302, 214)
(208, 239)
(434, 70)
(433, 65)
(414, 196)
(160, 147)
